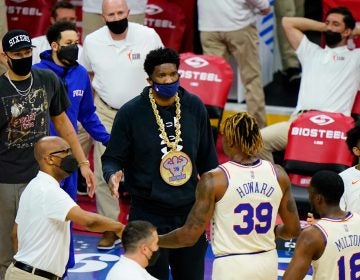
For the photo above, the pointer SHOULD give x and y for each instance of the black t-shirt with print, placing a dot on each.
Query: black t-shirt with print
(24, 119)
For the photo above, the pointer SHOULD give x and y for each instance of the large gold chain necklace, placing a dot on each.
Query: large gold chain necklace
(175, 166)
(171, 145)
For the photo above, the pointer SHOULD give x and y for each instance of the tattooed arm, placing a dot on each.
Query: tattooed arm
(287, 209)
(209, 190)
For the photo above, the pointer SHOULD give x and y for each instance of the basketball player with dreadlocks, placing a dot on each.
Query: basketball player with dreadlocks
(242, 197)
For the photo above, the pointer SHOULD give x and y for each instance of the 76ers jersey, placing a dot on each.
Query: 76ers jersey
(341, 257)
(244, 219)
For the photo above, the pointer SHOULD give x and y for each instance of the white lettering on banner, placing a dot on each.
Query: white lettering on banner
(202, 76)
(163, 23)
(24, 11)
(318, 133)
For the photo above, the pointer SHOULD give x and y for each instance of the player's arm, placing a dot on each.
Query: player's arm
(309, 246)
(294, 28)
(93, 221)
(199, 215)
(287, 209)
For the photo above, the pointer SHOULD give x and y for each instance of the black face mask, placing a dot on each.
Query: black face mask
(332, 38)
(22, 66)
(154, 257)
(118, 26)
(69, 164)
(68, 54)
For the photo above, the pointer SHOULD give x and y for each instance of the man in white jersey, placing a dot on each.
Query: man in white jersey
(330, 75)
(114, 56)
(332, 244)
(243, 197)
(41, 234)
(350, 201)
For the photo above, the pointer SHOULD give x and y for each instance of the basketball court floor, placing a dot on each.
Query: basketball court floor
(93, 264)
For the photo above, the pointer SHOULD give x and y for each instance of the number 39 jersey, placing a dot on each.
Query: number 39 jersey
(341, 257)
(244, 218)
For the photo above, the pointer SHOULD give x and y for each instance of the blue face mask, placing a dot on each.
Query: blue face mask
(166, 90)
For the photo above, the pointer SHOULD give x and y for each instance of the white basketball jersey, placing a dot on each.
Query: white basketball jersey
(341, 257)
(244, 219)
(350, 201)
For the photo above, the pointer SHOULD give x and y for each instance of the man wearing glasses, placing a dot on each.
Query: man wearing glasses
(42, 250)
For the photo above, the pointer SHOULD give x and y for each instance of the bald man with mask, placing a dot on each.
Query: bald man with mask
(44, 204)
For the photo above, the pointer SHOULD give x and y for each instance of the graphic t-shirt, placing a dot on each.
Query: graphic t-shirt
(24, 119)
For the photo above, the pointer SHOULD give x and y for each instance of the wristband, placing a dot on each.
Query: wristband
(85, 162)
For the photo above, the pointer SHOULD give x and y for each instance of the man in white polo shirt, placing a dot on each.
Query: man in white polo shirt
(114, 55)
(41, 234)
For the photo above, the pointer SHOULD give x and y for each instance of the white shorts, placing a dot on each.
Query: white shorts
(261, 266)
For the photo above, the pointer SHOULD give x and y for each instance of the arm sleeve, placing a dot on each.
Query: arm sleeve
(58, 204)
(84, 59)
(306, 50)
(88, 117)
(60, 101)
(118, 147)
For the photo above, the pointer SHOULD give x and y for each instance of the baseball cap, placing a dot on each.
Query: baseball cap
(15, 40)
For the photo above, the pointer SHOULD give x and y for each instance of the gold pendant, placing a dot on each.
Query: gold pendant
(176, 168)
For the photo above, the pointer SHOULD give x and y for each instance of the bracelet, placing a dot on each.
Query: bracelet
(85, 162)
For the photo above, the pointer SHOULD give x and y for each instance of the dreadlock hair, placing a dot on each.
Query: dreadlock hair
(242, 130)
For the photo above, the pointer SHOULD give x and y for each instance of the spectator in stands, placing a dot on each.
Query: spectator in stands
(331, 245)
(41, 232)
(92, 15)
(229, 28)
(30, 98)
(114, 56)
(290, 63)
(61, 59)
(330, 77)
(350, 201)
(175, 145)
(232, 194)
(61, 11)
(140, 242)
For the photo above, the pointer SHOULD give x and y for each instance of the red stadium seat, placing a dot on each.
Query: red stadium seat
(168, 19)
(209, 77)
(316, 142)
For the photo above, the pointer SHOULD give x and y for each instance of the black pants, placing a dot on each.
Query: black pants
(185, 263)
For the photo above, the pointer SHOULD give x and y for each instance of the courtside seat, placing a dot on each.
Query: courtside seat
(316, 142)
(209, 77)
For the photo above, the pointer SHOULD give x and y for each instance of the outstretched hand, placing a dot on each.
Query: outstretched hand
(90, 179)
(114, 182)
